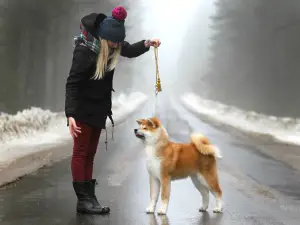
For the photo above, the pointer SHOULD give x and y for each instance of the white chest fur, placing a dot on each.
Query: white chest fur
(153, 162)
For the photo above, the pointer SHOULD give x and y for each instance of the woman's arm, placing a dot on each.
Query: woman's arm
(133, 50)
(81, 63)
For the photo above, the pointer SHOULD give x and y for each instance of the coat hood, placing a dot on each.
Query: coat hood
(92, 21)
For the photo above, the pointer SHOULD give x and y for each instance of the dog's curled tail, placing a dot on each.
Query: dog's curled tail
(204, 146)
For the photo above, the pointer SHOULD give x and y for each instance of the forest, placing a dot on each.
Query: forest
(36, 44)
(255, 53)
(253, 57)
(253, 60)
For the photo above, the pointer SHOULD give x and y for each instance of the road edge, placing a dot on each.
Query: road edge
(45, 156)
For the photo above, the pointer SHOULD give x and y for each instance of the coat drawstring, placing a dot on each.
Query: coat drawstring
(113, 125)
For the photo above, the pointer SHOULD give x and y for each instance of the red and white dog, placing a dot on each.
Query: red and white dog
(167, 161)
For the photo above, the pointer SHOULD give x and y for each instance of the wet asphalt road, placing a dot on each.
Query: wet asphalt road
(257, 189)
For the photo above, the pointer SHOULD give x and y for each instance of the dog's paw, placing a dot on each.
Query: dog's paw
(150, 210)
(162, 211)
(203, 209)
(217, 210)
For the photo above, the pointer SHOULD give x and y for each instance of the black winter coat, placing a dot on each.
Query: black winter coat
(88, 100)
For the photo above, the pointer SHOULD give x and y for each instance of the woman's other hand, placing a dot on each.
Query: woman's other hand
(155, 42)
(74, 130)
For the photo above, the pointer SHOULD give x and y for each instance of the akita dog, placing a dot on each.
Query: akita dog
(167, 161)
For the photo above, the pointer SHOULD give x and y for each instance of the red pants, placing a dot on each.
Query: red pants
(84, 150)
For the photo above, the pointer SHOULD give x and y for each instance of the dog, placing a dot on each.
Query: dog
(168, 161)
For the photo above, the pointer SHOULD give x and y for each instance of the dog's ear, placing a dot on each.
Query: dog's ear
(150, 123)
(156, 122)
(153, 122)
(139, 121)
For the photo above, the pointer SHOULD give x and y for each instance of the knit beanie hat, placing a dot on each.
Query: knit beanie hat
(112, 27)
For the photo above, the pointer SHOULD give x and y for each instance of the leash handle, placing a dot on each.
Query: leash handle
(157, 82)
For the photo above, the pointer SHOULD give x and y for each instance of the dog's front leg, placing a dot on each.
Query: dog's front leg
(165, 193)
(154, 192)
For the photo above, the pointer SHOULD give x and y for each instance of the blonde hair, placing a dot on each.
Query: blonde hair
(103, 59)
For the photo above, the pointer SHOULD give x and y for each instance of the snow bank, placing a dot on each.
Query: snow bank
(29, 138)
(282, 129)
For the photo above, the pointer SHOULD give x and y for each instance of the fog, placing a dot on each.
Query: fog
(255, 56)
(239, 52)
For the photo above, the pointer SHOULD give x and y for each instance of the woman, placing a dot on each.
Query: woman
(88, 94)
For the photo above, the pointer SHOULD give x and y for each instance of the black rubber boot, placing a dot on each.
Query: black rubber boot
(105, 209)
(84, 200)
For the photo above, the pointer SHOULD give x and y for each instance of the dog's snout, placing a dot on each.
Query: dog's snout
(135, 131)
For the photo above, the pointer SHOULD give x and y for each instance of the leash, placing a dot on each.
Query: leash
(157, 80)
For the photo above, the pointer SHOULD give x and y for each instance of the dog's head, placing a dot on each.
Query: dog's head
(150, 130)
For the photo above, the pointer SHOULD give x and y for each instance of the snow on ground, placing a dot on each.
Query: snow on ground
(282, 129)
(35, 130)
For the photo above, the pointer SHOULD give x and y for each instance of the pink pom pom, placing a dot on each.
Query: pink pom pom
(119, 13)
